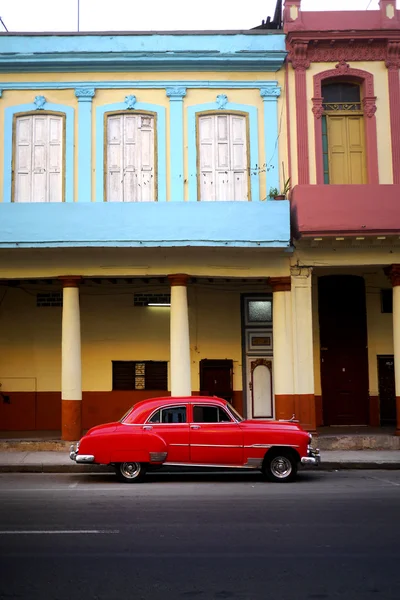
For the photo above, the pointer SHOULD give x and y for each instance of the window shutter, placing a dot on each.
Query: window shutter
(23, 159)
(130, 162)
(39, 158)
(55, 146)
(223, 157)
(355, 127)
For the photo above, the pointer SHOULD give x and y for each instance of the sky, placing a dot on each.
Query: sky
(153, 15)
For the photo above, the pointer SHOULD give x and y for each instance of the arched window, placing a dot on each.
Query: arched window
(343, 133)
(223, 157)
(130, 157)
(38, 157)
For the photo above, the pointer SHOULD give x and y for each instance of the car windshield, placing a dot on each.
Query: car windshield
(235, 413)
(122, 419)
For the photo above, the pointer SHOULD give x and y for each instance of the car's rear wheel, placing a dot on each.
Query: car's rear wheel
(280, 466)
(130, 472)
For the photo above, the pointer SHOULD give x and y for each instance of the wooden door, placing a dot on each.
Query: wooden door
(216, 378)
(344, 353)
(346, 149)
(387, 391)
(223, 169)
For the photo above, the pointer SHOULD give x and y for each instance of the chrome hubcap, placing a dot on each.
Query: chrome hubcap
(130, 470)
(281, 467)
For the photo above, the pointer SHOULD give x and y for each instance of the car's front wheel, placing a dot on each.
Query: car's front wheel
(280, 466)
(130, 472)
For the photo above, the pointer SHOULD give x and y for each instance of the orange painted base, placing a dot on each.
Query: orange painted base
(71, 420)
(300, 405)
(319, 413)
(374, 411)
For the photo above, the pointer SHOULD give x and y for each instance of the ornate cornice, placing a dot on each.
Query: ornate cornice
(393, 272)
(280, 284)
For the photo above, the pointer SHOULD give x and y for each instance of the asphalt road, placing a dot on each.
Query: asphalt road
(330, 535)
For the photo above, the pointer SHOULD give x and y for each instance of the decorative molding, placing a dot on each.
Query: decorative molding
(39, 102)
(299, 55)
(270, 92)
(343, 68)
(85, 94)
(318, 108)
(130, 101)
(369, 105)
(280, 284)
(393, 272)
(347, 50)
(178, 279)
(141, 84)
(222, 101)
(176, 92)
(392, 58)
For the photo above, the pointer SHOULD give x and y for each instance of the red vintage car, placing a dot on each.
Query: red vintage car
(195, 431)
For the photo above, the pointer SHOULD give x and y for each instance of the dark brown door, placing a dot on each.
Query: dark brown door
(387, 392)
(216, 378)
(344, 352)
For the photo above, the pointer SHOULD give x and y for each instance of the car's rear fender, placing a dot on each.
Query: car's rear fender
(141, 446)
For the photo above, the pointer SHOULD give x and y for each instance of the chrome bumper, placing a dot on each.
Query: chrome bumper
(79, 458)
(313, 457)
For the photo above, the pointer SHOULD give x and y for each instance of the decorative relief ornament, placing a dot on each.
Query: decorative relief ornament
(299, 56)
(318, 108)
(130, 102)
(85, 94)
(222, 100)
(393, 56)
(270, 91)
(39, 101)
(369, 105)
(176, 93)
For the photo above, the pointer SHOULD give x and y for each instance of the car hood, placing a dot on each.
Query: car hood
(273, 425)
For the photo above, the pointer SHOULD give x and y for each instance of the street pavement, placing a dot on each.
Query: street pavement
(331, 535)
(59, 462)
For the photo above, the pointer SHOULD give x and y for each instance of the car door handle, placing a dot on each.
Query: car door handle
(195, 427)
(147, 427)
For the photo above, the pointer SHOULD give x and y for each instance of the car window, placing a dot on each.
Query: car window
(210, 414)
(173, 414)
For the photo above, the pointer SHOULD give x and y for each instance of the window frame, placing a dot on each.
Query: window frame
(167, 407)
(37, 113)
(136, 112)
(217, 112)
(133, 363)
(203, 405)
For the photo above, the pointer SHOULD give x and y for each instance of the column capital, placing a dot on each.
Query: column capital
(85, 94)
(178, 279)
(392, 60)
(270, 93)
(393, 272)
(176, 93)
(301, 272)
(70, 280)
(299, 55)
(280, 284)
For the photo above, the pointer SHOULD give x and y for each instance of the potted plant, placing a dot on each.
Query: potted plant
(276, 195)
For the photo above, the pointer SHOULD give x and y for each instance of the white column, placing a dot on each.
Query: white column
(179, 337)
(71, 368)
(303, 355)
(394, 273)
(283, 347)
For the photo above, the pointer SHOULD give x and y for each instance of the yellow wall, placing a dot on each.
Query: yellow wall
(155, 96)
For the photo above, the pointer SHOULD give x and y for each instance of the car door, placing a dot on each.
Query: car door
(215, 439)
(171, 424)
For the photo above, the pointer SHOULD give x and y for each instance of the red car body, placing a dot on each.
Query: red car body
(196, 431)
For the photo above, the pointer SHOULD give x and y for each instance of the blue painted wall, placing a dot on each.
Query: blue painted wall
(167, 224)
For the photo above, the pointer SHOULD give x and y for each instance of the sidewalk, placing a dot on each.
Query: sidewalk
(59, 462)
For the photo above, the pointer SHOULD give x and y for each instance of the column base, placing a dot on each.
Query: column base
(71, 420)
(300, 405)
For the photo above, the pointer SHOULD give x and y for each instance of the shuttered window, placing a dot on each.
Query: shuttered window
(38, 158)
(223, 158)
(140, 375)
(130, 158)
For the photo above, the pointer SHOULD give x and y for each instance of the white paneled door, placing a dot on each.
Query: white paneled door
(223, 160)
(38, 169)
(130, 158)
